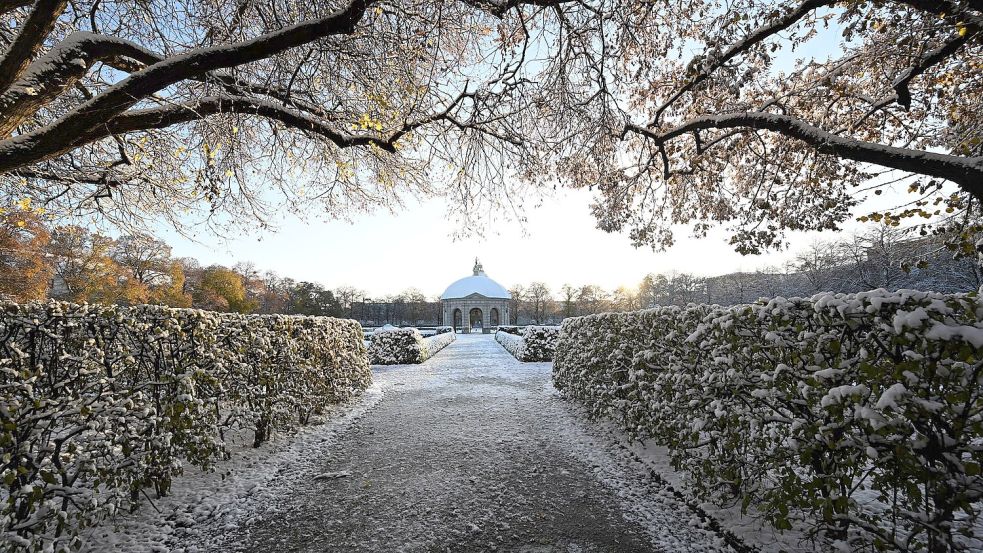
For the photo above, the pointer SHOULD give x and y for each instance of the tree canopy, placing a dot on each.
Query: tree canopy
(760, 115)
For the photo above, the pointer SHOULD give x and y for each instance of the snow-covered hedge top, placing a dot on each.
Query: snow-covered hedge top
(125, 396)
(859, 416)
(402, 346)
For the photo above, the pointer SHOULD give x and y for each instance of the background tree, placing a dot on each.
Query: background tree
(818, 263)
(625, 299)
(25, 272)
(568, 301)
(591, 299)
(538, 302)
(516, 302)
(147, 258)
(347, 296)
(172, 292)
(84, 270)
(309, 298)
(222, 289)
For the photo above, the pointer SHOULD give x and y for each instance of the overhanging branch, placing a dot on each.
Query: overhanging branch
(47, 141)
(964, 171)
(29, 40)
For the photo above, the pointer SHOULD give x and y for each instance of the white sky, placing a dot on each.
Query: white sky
(384, 253)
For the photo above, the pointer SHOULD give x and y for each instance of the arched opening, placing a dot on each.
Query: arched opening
(458, 320)
(493, 317)
(475, 319)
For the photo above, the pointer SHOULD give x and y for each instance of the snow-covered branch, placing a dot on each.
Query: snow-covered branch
(965, 171)
(29, 40)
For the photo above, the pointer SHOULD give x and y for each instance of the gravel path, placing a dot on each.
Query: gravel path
(471, 451)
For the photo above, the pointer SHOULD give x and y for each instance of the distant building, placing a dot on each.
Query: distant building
(475, 302)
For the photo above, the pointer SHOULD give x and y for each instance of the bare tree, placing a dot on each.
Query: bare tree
(591, 298)
(347, 296)
(137, 110)
(538, 302)
(147, 258)
(517, 302)
(736, 132)
(568, 298)
(818, 263)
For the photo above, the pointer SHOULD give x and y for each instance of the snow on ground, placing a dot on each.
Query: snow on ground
(471, 450)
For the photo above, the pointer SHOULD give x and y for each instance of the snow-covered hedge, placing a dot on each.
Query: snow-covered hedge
(540, 342)
(511, 342)
(511, 329)
(859, 417)
(99, 403)
(437, 342)
(404, 346)
(536, 343)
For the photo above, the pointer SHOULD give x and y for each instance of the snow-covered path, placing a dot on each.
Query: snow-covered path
(470, 451)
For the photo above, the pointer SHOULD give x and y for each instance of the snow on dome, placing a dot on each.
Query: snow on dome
(478, 283)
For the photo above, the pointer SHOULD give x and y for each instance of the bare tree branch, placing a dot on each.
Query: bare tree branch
(967, 172)
(29, 40)
(11, 5)
(128, 92)
(62, 67)
(759, 35)
(901, 94)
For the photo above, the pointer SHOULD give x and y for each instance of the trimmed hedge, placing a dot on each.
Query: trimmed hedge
(405, 346)
(859, 417)
(511, 342)
(537, 343)
(99, 403)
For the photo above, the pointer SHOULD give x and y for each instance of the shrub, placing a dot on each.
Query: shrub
(511, 342)
(540, 342)
(537, 343)
(857, 415)
(405, 346)
(98, 403)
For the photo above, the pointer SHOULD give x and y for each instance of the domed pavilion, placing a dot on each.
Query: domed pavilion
(475, 302)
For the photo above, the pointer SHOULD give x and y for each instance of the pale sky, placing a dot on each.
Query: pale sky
(384, 253)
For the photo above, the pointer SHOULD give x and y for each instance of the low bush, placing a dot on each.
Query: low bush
(858, 417)
(537, 343)
(511, 342)
(405, 346)
(100, 403)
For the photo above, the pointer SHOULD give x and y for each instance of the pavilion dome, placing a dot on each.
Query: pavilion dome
(478, 283)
